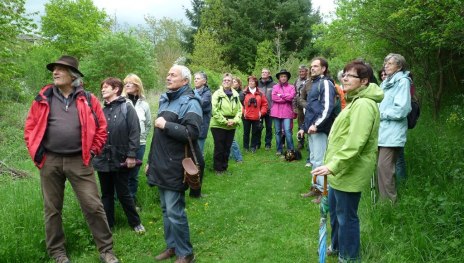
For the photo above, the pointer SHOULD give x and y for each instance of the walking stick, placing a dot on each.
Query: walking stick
(324, 209)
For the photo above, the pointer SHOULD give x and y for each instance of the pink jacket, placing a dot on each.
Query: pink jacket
(282, 96)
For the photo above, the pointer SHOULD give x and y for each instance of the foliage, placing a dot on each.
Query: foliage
(73, 25)
(265, 57)
(240, 26)
(117, 55)
(207, 52)
(15, 25)
(428, 34)
(194, 16)
(167, 38)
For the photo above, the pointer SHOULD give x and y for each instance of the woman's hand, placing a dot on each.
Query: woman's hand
(321, 170)
(130, 162)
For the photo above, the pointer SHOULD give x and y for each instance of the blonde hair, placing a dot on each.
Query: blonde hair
(132, 78)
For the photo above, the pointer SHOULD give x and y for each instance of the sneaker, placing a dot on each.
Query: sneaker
(62, 259)
(139, 229)
(239, 161)
(278, 153)
(108, 257)
(253, 150)
(267, 148)
(309, 165)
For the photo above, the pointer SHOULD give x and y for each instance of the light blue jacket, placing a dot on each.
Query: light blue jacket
(394, 109)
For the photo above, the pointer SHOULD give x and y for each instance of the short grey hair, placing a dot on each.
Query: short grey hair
(184, 72)
(399, 60)
(77, 82)
(202, 75)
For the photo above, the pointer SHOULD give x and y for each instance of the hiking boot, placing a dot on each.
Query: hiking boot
(167, 254)
(108, 257)
(186, 259)
(62, 259)
(139, 229)
(311, 193)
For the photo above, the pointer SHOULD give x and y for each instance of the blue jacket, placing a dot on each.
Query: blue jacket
(394, 109)
(206, 107)
(182, 112)
(321, 102)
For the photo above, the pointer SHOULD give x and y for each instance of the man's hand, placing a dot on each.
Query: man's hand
(130, 161)
(160, 122)
(312, 129)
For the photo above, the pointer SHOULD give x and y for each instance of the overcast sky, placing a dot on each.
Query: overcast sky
(132, 11)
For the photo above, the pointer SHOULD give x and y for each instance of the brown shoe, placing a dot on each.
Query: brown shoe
(311, 193)
(167, 254)
(186, 259)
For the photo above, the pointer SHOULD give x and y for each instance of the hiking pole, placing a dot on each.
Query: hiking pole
(373, 189)
(324, 209)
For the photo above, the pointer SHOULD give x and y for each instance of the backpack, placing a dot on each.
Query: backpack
(414, 114)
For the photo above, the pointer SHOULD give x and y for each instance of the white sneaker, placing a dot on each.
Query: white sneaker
(309, 165)
(139, 229)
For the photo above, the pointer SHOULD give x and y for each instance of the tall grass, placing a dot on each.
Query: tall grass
(255, 214)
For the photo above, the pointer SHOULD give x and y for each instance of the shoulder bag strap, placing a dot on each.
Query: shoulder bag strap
(191, 148)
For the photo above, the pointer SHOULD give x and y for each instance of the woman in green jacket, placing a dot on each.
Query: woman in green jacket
(227, 113)
(351, 158)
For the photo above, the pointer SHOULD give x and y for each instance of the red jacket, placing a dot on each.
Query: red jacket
(254, 111)
(93, 137)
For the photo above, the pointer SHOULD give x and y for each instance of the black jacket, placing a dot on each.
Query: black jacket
(123, 135)
(182, 111)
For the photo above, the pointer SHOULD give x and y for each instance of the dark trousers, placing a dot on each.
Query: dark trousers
(222, 141)
(118, 180)
(267, 120)
(253, 126)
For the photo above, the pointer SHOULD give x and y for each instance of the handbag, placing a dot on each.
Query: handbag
(191, 169)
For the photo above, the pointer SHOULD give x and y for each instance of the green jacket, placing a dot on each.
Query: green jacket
(225, 109)
(352, 144)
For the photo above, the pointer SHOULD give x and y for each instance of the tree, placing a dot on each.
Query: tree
(428, 33)
(207, 52)
(166, 34)
(117, 55)
(14, 25)
(72, 25)
(265, 57)
(194, 16)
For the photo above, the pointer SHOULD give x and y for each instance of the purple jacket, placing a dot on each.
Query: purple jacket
(282, 96)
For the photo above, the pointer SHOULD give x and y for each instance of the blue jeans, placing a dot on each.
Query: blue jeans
(235, 152)
(344, 221)
(287, 131)
(201, 144)
(400, 169)
(317, 148)
(134, 174)
(176, 228)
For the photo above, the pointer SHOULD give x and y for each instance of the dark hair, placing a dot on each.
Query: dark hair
(363, 70)
(380, 73)
(323, 63)
(114, 83)
(253, 79)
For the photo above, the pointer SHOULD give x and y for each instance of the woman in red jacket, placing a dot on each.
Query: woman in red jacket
(255, 106)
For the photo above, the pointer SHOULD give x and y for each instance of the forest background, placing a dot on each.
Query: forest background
(244, 36)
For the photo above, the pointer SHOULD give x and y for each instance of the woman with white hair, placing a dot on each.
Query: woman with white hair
(394, 110)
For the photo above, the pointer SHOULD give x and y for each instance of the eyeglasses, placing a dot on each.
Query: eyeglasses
(349, 76)
(226, 80)
(129, 84)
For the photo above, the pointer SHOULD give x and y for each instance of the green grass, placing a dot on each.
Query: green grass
(255, 214)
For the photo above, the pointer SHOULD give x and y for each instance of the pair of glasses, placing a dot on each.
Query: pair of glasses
(349, 76)
(226, 80)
